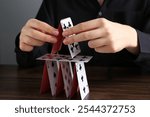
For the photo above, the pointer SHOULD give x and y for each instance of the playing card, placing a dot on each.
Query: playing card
(67, 77)
(60, 83)
(65, 58)
(57, 46)
(52, 69)
(45, 84)
(74, 83)
(82, 80)
(74, 48)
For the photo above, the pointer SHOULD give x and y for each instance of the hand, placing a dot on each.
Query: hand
(104, 36)
(36, 33)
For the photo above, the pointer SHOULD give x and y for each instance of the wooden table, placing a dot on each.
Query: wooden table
(105, 83)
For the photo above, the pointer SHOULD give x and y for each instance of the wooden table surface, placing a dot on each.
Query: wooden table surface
(105, 83)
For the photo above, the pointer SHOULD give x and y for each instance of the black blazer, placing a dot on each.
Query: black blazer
(135, 13)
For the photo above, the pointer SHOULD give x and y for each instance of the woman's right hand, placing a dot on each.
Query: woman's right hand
(36, 33)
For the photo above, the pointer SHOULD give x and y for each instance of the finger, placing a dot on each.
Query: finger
(98, 43)
(32, 42)
(85, 36)
(92, 24)
(25, 47)
(39, 35)
(42, 26)
(105, 49)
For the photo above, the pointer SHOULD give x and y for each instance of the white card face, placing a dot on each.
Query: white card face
(52, 69)
(82, 80)
(66, 23)
(67, 77)
(65, 58)
(74, 48)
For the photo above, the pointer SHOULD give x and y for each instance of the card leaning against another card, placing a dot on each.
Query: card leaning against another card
(57, 46)
(67, 74)
(45, 83)
(52, 69)
(82, 80)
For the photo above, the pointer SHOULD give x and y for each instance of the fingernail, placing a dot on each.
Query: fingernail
(65, 41)
(64, 33)
(56, 33)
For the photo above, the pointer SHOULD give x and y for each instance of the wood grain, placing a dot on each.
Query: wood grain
(114, 83)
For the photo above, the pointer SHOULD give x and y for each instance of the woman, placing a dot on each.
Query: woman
(116, 32)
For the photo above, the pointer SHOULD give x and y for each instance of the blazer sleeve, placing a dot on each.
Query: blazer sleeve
(28, 59)
(144, 40)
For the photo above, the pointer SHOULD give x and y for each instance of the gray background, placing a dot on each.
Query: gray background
(13, 15)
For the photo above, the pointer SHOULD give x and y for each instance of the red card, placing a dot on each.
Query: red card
(57, 46)
(74, 83)
(45, 84)
(60, 83)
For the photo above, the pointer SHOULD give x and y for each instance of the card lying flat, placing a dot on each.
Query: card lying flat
(65, 58)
